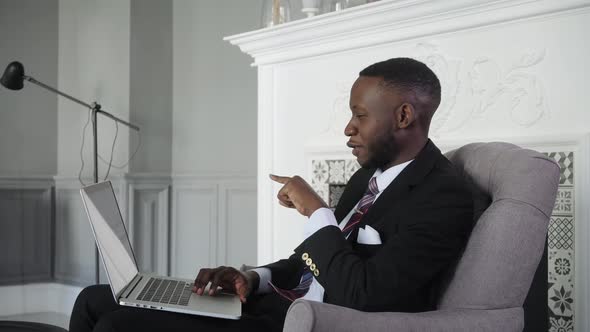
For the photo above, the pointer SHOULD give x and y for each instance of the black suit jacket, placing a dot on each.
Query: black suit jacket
(424, 218)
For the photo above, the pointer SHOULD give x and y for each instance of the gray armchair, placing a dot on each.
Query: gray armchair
(514, 191)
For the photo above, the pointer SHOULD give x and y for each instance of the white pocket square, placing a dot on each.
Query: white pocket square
(368, 236)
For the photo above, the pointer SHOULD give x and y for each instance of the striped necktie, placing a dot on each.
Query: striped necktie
(360, 210)
(362, 207)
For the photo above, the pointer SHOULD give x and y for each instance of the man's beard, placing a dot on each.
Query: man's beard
(383, 151)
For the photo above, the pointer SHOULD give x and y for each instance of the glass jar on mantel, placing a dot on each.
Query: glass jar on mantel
(311, 7)
(275, 12)
(329, 6)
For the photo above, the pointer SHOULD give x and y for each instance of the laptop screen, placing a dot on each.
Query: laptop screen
(111, 236)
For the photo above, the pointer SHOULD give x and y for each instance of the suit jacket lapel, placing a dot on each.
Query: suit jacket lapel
(353, 193)
(355, 189)
(413, 174)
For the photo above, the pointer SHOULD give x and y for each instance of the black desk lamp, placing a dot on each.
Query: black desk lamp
(13, 78)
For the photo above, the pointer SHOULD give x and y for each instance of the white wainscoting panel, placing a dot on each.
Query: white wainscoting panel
(193, 231)
(75, 251)
(26, 229)
(149, 199)
(207, 213)
(237, 223)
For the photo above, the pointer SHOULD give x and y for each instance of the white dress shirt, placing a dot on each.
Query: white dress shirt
(324, 217)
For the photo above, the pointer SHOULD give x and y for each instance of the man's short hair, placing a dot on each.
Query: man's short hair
(409, 76)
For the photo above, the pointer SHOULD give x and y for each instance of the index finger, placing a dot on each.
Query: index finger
(202, 280)
(279, 179)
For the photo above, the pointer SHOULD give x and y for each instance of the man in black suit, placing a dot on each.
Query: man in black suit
(402, 220)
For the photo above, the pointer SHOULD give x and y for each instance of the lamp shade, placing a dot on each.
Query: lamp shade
(13, 76)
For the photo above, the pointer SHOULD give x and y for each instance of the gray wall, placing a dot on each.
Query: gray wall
(151, 85)
(215, 89)
(93, 66)
(28, 141)
(28, 118)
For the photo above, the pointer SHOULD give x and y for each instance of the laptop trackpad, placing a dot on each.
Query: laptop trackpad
(220, 305)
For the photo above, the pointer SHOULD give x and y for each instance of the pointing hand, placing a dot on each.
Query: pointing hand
(298, 194)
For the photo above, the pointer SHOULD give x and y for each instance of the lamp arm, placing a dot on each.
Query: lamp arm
(107, 114)
(45, 86)
(93, 106)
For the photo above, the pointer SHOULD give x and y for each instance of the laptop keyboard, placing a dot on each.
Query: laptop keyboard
(166, 291)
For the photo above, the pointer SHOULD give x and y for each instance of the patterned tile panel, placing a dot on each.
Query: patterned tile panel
(336, 172)
(566, 164)
(323, 189)
(329, 177)
(336, 191)
(561, 266)
(561, 324)
(564, 202)
(561, 235)
(320, 171)
(350, 167)
(561, 301)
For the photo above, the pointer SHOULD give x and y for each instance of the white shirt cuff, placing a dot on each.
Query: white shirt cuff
(321, 218)
(265, 276)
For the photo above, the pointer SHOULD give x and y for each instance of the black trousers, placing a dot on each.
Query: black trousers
(96, 310)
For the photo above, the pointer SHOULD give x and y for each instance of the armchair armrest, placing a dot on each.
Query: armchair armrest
(309, 316)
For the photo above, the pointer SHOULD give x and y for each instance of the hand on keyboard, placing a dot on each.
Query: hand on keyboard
(228, 278)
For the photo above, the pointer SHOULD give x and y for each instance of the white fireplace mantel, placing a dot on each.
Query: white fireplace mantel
(388, 21)
(510, 70)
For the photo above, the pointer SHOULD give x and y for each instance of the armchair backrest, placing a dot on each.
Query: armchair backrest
(514, 192)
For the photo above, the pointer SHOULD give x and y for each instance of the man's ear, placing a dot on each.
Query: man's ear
(405, 115)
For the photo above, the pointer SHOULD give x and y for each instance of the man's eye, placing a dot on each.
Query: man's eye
(360, 116)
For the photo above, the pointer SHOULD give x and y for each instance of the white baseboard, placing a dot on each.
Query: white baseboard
(36, 298)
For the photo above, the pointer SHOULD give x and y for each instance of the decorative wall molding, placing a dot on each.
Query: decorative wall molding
(216, 203)
(176, 224)
(204, 213)
(523, 89)
(26, 220)
(384, 22)
(26, 182)
(148, 196)
(144, 203)
(237, 240)
(75, 249)
(448, 69)
(471, 90)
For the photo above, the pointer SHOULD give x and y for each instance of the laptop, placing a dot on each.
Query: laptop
(134, 289)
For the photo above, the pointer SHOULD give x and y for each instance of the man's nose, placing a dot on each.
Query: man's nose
(350, 129)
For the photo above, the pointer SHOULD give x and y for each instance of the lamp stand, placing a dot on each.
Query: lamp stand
(95, 108)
